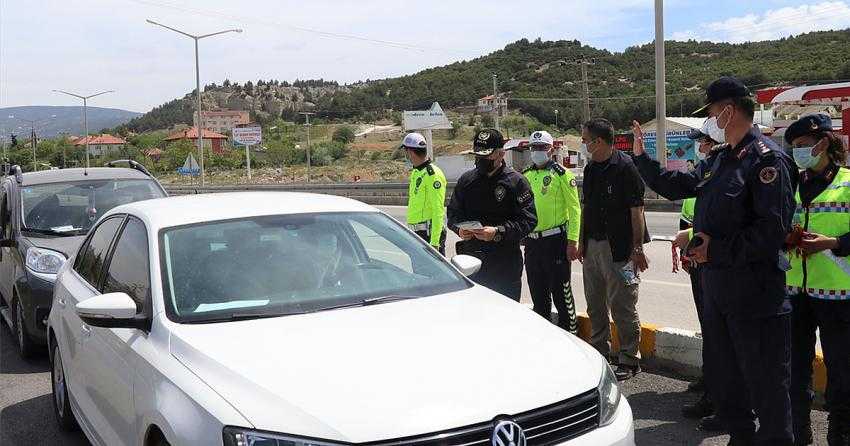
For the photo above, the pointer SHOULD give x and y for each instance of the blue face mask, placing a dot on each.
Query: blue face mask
(804, 159)
(539, 157)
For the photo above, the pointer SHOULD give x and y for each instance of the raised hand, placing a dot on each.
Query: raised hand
(637, 146)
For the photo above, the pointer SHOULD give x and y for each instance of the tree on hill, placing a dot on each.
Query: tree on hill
(344, 135)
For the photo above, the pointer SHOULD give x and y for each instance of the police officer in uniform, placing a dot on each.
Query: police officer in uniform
(553, 244)
(500, 199)
(426, 195)
(743, 213)
(819, 280)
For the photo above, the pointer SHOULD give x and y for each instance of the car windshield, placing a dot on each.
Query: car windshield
(72, 208)
(291, 264)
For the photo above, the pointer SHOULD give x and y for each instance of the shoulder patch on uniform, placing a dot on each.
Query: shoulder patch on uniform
(559, 168)
(437, 184)
(524, 197)
(768, 175)
(547, 180)
(500, 193)
(430, 169)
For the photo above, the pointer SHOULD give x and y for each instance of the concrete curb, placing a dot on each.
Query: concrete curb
(681, 350)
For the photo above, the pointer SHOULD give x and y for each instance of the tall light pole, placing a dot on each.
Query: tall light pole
(660, 86)
(496, 104)
(556, 118)
(85, 115)
(307, 124)
(200, 126)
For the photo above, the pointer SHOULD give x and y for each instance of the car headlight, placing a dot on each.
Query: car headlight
(237, 436)
(609, 396)
(44, 261)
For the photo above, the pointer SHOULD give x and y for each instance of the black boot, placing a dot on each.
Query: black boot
(625, 372)
(697, 386)
(702, 408)
(710, 424)
(742, 439)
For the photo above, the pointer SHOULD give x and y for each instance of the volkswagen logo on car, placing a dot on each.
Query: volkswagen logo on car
(508, 433)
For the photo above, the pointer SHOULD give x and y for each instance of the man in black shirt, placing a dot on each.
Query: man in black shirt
(613, 234)
(500, 199)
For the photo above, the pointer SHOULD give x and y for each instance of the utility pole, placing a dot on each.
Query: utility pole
(33, 143)
(495, 103)
(307, 124)
(660, 86)
(583, 63)
(200, 126)
(556, 118)
(85, 115)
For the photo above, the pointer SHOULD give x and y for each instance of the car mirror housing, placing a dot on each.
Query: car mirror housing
(467, 265)
(111, 310)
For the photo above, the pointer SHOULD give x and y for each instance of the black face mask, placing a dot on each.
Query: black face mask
(484, 165)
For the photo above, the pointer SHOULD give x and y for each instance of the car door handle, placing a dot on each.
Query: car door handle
(85, 330)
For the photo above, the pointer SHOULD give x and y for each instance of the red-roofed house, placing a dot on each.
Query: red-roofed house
(100, 144)
(488, 104)
(211, 139)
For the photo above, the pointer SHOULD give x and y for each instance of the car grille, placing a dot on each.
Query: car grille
(548, 425)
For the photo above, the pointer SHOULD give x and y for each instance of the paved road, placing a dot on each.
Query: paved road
(26, 413)
(665, 298)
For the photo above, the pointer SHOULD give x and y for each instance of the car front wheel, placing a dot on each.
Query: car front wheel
(61, 402)
(25, 343)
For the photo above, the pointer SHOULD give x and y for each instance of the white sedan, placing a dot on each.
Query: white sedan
(298, 320)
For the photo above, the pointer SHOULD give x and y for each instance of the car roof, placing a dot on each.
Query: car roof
(198, 208)
(80, 174)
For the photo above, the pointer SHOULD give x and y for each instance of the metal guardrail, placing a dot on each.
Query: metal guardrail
(376, 194)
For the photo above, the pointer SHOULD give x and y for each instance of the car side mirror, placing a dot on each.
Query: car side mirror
(7, 243)
(467, 265)
(111, 310)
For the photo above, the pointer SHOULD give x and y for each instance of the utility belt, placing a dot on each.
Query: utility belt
(548, 232)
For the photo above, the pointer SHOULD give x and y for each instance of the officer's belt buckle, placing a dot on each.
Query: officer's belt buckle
(420, 226)
(547, 233)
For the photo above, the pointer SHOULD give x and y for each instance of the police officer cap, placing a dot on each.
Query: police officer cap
(414, 141)
(486, 141)
(808, 125)
(727, 87)
(541, 138)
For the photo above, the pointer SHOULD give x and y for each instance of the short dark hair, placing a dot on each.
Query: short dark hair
(600, 128)
(419, 151)
(745, 104)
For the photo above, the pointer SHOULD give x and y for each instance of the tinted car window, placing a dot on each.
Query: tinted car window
(91, 260)
(5, 226)
(72, 208)
(129, 270)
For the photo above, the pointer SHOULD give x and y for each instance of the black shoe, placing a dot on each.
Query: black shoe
(838, 434)
(624, 372)
(742, 439)
(803, 435)
(710, 424)
(700, 409)
(697, 386)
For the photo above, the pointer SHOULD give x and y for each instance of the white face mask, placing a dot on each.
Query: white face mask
(584, 152)
(714, 131)
(700, 156)
(539, 157)
(804, 158)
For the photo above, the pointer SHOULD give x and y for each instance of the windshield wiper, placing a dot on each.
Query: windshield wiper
(243, 316)
(51, 232)
(387, 298)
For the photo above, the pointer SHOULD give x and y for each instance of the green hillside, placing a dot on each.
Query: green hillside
(541, 70)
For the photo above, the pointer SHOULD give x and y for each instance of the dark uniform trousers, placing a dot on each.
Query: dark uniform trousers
(746, 204)
(501, 268)
(833, 320)
(548, 272)
(425, 235)
(748, 354)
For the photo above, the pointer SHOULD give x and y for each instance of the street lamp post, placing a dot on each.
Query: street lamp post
(660, 86)
(556, 118)
(200, 126)
(85, 115)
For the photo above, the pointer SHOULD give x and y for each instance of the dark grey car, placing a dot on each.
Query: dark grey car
(44, 216)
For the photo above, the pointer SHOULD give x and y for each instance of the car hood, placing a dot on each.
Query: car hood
(390, 370)
(65, 245)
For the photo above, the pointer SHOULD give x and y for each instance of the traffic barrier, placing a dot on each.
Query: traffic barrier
(376, 194)
(681, 350)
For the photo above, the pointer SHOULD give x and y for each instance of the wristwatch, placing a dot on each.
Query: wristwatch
(500, 232)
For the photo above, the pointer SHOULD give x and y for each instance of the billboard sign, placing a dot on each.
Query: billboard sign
(248, 136)
(431, 119)
(681, 150)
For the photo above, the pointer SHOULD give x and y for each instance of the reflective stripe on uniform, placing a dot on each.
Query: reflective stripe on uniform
(548, 232)
(420, 226)
(820, 294)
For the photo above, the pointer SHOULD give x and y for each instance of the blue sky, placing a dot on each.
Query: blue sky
(92, 45)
